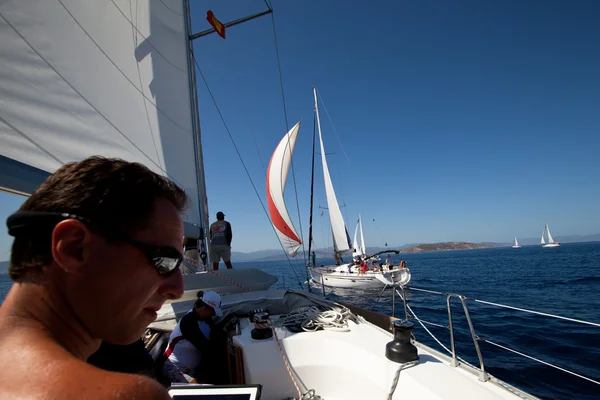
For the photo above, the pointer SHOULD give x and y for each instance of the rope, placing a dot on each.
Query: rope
(287, 128)
(311, 319)
(542, 362)
(397, 377)
(428, 331)
(244, 165)
(579, 321)
(537, 312)
(310, 393)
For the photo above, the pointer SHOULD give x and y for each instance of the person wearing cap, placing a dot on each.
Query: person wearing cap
(220, 242)
(189, 351)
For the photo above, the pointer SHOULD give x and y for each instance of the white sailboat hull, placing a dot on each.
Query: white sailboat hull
(516, 247)
(555, 244)
(328, 276)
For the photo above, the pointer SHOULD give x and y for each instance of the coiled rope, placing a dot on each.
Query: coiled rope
(312, 318)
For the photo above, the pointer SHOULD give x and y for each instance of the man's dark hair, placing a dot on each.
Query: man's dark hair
(116, 195)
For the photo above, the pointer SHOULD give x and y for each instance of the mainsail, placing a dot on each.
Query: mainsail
(341, 240)
(543, 233)
(110, 78)
(276, 178)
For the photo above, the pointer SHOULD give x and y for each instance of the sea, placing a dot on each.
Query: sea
(562, 281)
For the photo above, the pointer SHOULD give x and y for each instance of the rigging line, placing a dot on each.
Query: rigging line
(134, 26)
(243, 164)
(287, 129)
(170, 9)
(33, 142)
(119, 69)
(134, 34)
(336, 134)
(337, 165)
(262, 164)
(541, 361)
(86, 100)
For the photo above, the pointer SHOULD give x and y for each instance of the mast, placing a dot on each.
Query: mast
(312, 185)
(199, 159)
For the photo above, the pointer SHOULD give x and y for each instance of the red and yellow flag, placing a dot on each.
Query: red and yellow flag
(219, 27)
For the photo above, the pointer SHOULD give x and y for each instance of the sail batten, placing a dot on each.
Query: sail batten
(276, 180)
(70, 88)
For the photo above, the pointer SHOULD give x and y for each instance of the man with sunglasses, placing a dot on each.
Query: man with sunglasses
(96, 253)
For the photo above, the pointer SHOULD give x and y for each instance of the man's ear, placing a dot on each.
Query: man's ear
(68, 240)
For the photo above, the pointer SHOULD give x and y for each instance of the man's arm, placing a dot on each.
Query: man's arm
(228, 234)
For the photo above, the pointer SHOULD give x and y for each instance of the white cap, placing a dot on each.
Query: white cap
(213, 299)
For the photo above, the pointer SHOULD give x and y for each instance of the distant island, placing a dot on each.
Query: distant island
(445, 247)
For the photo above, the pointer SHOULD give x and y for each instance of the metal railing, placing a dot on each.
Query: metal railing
(483, 376)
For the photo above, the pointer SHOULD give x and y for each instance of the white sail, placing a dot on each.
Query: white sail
(82, 78)
(359, 245)
(363, 246)
(550, 240)
(516, 242)
(356, 247)
(276, 179)
(338, 227)
(543, 233)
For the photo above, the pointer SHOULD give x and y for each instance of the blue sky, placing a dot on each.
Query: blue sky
(461, 120)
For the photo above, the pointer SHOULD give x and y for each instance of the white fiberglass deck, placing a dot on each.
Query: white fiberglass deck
(352, 365)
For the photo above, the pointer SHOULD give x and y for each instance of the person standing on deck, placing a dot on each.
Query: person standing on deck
(96, 253)
(313, 258)
(220, 242)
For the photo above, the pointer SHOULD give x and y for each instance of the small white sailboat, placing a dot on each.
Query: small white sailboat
(550, 242)
(516, 244)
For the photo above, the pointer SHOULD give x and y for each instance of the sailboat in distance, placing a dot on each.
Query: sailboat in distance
(516, 244)
(550, 242)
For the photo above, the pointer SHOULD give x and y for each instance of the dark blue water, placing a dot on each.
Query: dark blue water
(563, 281)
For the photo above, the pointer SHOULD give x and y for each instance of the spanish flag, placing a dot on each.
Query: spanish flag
(219, 27)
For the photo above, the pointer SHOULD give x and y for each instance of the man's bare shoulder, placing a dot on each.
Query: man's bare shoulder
(115, 385)
(34, 370)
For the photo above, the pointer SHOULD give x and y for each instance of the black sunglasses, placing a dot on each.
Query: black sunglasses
(165, 259)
